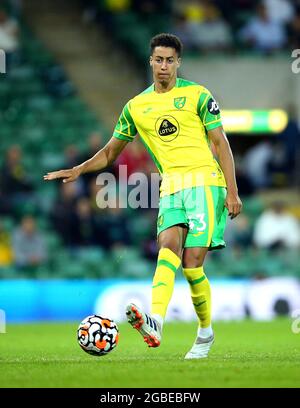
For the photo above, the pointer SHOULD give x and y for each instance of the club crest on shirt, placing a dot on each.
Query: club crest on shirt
(179, 102)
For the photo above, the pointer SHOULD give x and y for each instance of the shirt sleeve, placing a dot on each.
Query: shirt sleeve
(125, 128)
(208, 111)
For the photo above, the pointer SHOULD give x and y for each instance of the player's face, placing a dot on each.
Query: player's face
(164, 62)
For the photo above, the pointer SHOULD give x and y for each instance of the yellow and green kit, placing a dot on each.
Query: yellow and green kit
(173, 127)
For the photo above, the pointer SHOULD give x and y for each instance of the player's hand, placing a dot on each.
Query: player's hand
(233, 204)
(67, 175)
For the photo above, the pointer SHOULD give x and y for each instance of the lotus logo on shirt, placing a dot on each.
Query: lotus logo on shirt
(167, 128)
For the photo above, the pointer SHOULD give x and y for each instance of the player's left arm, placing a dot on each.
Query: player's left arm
(226, 161)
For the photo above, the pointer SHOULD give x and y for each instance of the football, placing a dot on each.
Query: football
(97, 335)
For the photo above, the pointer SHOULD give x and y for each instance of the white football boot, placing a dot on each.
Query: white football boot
(144, 324)
(200, 348)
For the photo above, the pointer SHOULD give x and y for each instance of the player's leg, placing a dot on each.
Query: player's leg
(192, 263)
(207, 217)
(170, 242)
(150, 326)
(172, 230)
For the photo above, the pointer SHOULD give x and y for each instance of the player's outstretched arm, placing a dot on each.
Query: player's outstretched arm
(102, 159)
(225, 157)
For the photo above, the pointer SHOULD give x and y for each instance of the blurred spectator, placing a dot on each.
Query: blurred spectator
(63, 210)
(72, 159)
(102, 193)
(71, 155)
(5, 205)
(276, 228)
(279, 11)
(200, 26)
(147, 8)
(294, 31)
(212, 33)
(90, 11)
(244, 182)
(191, 9)
(117, 228)
(29, 244)
(93, 191)
(236, 10)
(118, 6)
(9, 41)
(133, 186)
(56, 82)
(151, 9)
(256, 164)
(182, 29)
(268, 163)
(16, 7)
(278, 165)
(95, 143)
(134, 157)
(149, 244)
(15, 185)
(238, 232)
(6, 251)
(13, 175)
(262, 33)
(84, 226)
(291, 139)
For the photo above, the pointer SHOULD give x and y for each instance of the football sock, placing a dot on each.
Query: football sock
(200, 293)
(206, 332)
(163, 282)
(159, 319)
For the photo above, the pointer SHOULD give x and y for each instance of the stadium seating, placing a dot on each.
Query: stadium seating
(41, 111)
(130, 30)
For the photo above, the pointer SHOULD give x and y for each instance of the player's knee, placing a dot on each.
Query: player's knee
(172, 246)
(172, 239)
(192, 259)
(192, 263)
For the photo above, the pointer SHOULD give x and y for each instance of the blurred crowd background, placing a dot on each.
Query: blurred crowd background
(203, 25)
(55, 112)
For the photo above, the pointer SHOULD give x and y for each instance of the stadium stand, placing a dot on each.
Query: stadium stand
(41, 116)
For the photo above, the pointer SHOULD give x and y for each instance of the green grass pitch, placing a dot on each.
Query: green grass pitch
(245, 354)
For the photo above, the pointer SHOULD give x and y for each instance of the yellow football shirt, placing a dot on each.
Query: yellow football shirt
(173, 127)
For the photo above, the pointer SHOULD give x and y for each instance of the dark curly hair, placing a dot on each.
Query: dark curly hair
(166, 40)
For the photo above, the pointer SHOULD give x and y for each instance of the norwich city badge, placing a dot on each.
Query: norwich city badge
(179, 102)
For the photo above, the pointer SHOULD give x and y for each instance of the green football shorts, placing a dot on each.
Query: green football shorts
(201, 209)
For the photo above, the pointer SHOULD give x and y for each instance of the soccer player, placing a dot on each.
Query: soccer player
(177, 121)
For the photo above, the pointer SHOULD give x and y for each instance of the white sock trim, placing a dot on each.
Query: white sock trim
(204, 333)
(159, 319)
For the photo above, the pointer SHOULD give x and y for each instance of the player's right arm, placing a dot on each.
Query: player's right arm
(124, 132)
(102, 159)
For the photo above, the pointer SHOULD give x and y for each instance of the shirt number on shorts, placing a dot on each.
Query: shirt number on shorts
(201, 224)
